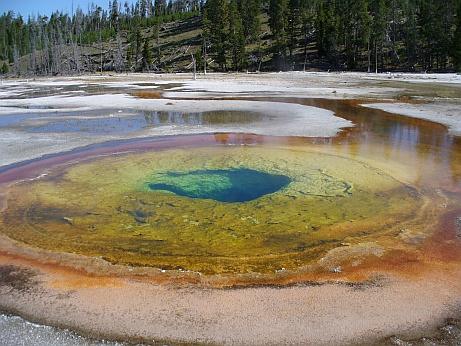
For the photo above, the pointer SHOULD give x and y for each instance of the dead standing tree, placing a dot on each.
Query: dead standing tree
(194, 63)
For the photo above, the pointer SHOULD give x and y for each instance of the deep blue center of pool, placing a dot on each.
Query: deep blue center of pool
(223, 185)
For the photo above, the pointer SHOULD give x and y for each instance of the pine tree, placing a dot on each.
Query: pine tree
(114, 15)
(431, 33)
(456, 45)
(160, 7)
(236, 36)
(307, 20)
(146, 56)
(383, 34)
(294, 22)
(378, 29)
(356, 31)
(134, 49)
(5, 68)
(278, 22)
(250, 11)
(327, 31)
(410, 34)
(143, 8)
(216, 23)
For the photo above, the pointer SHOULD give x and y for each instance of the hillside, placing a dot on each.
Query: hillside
(236, 35)
(176, 41)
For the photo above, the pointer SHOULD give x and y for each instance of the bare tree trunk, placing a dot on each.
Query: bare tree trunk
(376, 57)
(16, 63)
(119, 59)
(46, 55)
(305, 58)
(305, 49)
(369, 56)
(159, 53)
(100, 43)
(75, 49)
(204, 57)
(33, 54)
(194, 63)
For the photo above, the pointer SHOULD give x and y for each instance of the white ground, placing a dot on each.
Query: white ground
(20, 97)
(290, 119)
(448, 114)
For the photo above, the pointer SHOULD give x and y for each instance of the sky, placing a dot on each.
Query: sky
(46, 7)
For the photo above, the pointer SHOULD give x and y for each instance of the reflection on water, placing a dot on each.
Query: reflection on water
(203, 118)
(120, 124)
(425, 147)
(32, 90)
(13, 119)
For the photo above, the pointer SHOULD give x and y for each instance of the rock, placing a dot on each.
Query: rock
(411, 237)
(399, 342)
(140, 219)
(68, 220)
(452, 330)
(337, 269)
(458, 226)
(449, 334)
(336, 257)
(141, 216)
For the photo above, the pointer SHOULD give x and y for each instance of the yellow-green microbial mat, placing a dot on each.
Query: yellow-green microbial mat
(213, 210)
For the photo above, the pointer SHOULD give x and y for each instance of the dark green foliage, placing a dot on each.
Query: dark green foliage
(5, 69)
(146, 56)
(236, 37)
(410, 36)
(294, 23)
(135, 50)
(378, 30)
(160, 7)
(355, 24)
(327, 30)
(366, 35)
(250, 11)
(215, 25)
(456, 45)
(278, 22)
(114, 15)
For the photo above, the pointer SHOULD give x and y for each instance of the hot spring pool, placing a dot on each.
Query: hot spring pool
(222, 185)
(209, 207)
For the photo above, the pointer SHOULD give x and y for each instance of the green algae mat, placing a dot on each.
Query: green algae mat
(228, 209)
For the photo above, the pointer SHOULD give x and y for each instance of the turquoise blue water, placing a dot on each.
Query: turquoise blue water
(222, 185)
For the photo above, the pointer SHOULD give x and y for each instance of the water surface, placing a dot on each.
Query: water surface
(231, 185)
(389, 183)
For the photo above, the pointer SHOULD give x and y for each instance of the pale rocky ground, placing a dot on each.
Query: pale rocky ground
(441, 94)
(329, 314)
